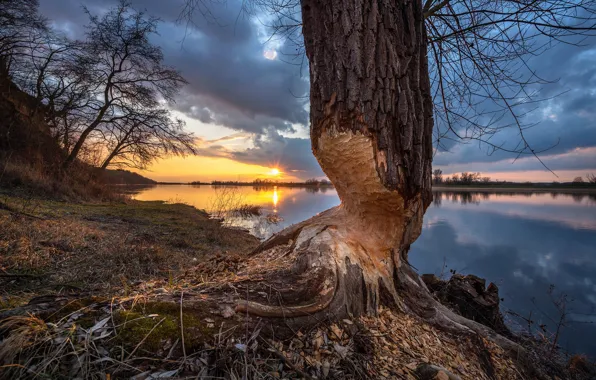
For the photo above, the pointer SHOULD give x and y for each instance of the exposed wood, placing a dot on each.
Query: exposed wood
(371, 129)
(369, 75)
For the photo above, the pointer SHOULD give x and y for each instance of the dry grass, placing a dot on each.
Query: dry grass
(56, 246)
(80, 183)
(246, 210)
(229, 201)
(138, 337)
(155, 267)
(182, 333)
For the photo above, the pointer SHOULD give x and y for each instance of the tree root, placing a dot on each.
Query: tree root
(329, 273)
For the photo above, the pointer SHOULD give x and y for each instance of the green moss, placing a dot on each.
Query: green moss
(135, 325)
(11, 302)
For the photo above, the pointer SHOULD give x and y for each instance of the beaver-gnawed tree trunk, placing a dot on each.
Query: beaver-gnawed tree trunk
(371, 131)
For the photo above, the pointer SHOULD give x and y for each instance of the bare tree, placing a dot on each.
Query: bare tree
(469, 178)
(128, 68)
(437, 176)
(20, 25)
(144, 136)
(591, 178)
(374, 97)
(54, 71)
(578, 180)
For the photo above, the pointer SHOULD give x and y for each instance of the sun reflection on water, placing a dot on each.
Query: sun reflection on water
(275, 198)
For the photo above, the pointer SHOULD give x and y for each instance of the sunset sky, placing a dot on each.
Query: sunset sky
(248, 106)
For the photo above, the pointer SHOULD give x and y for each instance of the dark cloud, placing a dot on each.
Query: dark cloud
(270, 149)
(565, 120)
(578, 159)
(231, 84)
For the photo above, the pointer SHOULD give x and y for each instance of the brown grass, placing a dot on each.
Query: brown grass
(104, 247)
(80, 184)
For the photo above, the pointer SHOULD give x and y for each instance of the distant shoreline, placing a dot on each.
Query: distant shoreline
(475, 188)
(521, 189)
(286, 184)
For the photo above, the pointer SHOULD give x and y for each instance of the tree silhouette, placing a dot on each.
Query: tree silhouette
(126, 68)
(437, 176)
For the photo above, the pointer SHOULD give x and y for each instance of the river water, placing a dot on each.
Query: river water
(523, 242)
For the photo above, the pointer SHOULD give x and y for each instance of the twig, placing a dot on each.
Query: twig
(145, 338)
(182, 327)
(172, 349)
(4, 206)
(11, 275)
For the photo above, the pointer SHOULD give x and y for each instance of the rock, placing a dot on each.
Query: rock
(469, 297)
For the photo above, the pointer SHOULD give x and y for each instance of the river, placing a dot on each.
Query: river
(523, 242)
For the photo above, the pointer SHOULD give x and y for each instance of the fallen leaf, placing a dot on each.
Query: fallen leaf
(99, 325)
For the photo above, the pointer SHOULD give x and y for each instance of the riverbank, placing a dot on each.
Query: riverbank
(521, 189)
(49, 246)
(134, 289)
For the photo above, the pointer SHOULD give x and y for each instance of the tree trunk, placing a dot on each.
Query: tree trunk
(113, 154)
(77, 147)
(107, 161)
(371, 131)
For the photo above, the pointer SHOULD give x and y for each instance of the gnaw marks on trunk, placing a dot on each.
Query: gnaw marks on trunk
(371, 130)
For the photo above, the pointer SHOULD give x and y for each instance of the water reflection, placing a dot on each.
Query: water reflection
(475, 197)
(281, 206)
(522, 241)
(573, 210)
(275, 199)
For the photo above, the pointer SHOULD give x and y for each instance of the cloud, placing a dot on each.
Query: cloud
(578, 159)
(232, 84)
(270, 150)
(565, 121)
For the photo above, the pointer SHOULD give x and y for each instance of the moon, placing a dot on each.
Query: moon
(270, 54)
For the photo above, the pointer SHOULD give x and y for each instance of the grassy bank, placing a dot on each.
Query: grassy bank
(114, 275)
(49, 246)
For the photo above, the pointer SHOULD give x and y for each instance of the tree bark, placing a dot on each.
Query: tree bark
(77, 147)
(371, 131)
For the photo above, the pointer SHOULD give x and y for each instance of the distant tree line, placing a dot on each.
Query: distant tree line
(267, 182)
(467, 178)
(464, 178)
(590, 178)
(104, 97)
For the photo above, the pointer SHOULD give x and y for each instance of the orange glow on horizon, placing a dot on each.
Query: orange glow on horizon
(207, 169)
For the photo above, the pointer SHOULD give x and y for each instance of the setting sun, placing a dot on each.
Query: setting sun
(274, 171)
